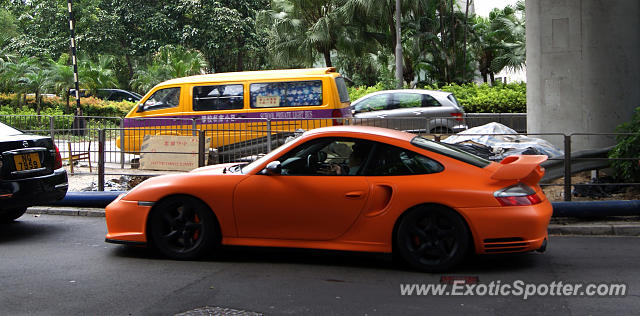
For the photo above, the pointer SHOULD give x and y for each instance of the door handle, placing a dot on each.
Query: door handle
(354, 194)
(382, 115)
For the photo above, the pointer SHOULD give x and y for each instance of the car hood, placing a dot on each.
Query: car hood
(215, 169)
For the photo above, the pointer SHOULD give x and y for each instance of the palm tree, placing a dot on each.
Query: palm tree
(499, 41)
(510, 29)
(61, 78)
(169, 62)
(97, 75)
(302, 30)
(35, 80)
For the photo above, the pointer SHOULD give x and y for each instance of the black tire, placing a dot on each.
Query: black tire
(7, 216)
(432, 239)
(182, 228)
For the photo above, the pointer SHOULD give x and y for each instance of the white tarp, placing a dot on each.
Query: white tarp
(507, 142)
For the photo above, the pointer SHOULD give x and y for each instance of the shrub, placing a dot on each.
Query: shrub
(628, 147)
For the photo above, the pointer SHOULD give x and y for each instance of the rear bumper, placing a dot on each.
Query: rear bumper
(33, 191)
(509, 229)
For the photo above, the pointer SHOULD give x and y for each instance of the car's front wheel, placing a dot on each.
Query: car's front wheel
(7, 216)
(182, 228)
(432, 239)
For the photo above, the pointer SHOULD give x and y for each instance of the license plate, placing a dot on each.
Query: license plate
(27, 161)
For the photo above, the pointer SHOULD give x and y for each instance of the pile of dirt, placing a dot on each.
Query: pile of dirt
(591, 191)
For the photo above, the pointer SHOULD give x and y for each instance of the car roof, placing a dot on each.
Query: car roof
(418, 91)
(350, 130)
(253, 75)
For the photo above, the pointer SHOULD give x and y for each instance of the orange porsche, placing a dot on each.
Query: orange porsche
(346, 188)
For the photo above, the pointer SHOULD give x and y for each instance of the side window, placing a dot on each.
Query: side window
(286, 94)
(120, 96)
(374, 103)
(218, 97)
(343, 92)
(327, 157)
(429, 101)
(389, 160)
(162, 99)
(407, 100)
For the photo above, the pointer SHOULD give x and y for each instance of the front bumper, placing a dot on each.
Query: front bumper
(126, 221)
(39, 190)
(509, 229)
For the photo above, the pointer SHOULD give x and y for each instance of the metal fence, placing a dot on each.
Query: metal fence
(114, 143)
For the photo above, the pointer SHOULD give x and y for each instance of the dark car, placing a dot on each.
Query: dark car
(31, 172)
(109, 94)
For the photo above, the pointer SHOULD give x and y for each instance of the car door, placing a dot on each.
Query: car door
(308, 200)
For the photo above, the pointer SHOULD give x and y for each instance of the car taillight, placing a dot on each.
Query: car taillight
(58, 162)
(517, 195)
(337, 113)
(457, 115)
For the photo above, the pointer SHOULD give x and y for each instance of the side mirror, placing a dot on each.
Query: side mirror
(141, 107)
(272, 168)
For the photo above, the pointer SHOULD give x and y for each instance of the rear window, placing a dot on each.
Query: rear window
(286, 94)
(8, 130)
(450, 151)
(342, 90)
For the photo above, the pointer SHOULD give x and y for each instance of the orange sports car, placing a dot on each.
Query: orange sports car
(345, 188)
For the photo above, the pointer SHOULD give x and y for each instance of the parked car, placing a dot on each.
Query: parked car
(412, 110)
(31, 172)
(109, 94)
(428, 202)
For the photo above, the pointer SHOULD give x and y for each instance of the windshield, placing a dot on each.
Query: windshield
(450, 151)
(8, 130)
(268, 157)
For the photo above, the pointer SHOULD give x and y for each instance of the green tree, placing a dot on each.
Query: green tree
(61, 78)
(96, 75)
(303, 30)
(168, 63)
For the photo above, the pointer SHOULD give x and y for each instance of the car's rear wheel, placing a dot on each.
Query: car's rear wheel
(182, 228)
(9, 215)
(432, 238)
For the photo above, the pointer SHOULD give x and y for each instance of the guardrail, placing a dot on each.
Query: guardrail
(222, 139)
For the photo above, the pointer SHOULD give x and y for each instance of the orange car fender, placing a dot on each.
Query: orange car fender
(215, 191)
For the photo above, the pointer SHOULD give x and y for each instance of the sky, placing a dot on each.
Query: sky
(483, 7)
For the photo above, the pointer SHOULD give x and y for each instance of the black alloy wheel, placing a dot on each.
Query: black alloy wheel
(182, 228)
(432, 239)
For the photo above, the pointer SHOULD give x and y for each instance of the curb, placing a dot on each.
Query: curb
(67, 211)
(610, 228)
(613, 229)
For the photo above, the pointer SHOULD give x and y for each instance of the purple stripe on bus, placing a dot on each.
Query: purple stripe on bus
(175, 120)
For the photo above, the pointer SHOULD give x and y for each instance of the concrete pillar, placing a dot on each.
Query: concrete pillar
(583, 67)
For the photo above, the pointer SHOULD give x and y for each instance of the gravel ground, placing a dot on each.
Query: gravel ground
(116, 179)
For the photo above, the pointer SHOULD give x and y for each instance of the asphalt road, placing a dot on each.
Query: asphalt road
(60, 265)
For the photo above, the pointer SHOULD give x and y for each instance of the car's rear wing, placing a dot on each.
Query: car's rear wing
(525, 168)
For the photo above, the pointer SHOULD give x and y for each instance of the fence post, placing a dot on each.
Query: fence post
(121, 143)
(268, 135)
(194, 127)
(51, 128)
(201, 146)
(101, 142)
(567, 167)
